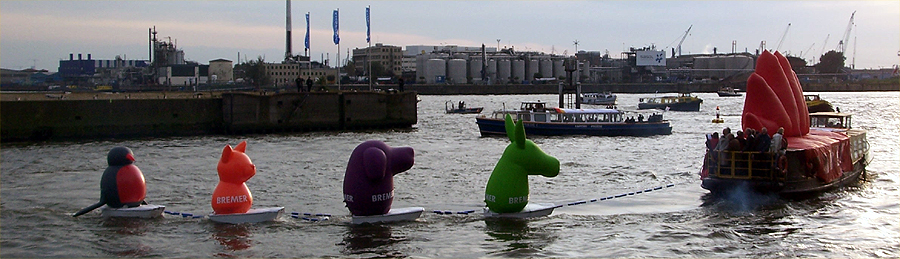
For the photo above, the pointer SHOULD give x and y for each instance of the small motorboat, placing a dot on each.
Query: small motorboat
(815, 104)
(251, 216)
(461, 108)
(727, 91)
(397, 214)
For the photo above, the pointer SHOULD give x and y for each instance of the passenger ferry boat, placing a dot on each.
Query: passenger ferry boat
(680, 102)
(833, 154)
(605, 98)
(539, 119)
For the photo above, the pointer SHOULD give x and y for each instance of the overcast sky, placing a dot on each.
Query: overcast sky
(40, 33)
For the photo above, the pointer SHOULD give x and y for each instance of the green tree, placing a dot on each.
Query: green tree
(797, 64)
(831, 62)
(255, 72)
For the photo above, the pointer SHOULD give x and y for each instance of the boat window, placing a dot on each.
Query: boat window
(540, 117)
(554, 117)
(524, 117)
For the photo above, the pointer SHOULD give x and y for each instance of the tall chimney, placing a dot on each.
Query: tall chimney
(288, 53)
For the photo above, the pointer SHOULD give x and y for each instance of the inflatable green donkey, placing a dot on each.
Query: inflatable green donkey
(507, 189)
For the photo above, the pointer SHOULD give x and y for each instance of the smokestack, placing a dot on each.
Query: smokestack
(288, 53)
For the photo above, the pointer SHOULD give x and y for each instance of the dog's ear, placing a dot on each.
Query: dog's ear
(375, 163)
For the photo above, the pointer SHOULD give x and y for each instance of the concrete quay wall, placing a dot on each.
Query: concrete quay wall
(78, 119)
(67, 117)
(244, 113)
(623, 88)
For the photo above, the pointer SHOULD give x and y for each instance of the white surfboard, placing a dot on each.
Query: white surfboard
(397, 214)
(252, 216)
(531, 210)
(144, 211)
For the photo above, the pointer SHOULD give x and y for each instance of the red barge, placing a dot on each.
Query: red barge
(823, 150)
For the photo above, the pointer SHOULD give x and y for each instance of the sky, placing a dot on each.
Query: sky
(40, 33)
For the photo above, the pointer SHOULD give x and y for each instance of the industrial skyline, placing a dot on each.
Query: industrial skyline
(40, 33)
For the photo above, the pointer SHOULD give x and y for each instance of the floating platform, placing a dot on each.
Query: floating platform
(252, 216)
(530, 211)
(398, 214)
(143, 211)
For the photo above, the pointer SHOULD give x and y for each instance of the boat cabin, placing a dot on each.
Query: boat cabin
(811, 97)
(533, 106)
(833, 120)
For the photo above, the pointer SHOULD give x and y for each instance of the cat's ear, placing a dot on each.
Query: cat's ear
(226, 154)
(241, 147)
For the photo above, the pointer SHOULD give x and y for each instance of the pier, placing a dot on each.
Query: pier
(70, 116)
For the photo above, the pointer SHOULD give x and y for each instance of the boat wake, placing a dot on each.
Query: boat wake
(741, 198)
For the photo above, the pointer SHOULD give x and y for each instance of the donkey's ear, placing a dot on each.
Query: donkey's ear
(510, 128)
(520, 135)
(226, 154)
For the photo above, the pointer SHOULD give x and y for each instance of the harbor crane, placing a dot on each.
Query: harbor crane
(783, 36)
(842, 45)
(823, 45)
(686, 33)
(803, 54)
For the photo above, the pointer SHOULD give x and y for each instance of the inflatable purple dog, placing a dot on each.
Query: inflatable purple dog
(369, 180)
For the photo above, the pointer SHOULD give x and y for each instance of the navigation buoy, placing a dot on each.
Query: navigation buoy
(231, 194)
(717, 119)
(122, 183)
(507, 188)
(369, 179)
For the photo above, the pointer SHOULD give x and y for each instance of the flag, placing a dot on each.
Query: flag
(307, 31)
(368, 29)
(337, 39)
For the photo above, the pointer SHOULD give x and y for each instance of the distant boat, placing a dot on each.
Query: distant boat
(815, 104)
(605, 98)
(542, 120)
(681, 102)
(727, 92)
(461, 108)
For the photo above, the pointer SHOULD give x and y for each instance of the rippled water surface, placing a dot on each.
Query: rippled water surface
(44, 183)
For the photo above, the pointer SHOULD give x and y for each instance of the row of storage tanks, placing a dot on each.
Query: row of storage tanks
(499, 69)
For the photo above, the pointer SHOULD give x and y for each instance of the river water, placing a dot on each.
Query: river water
(44, 183)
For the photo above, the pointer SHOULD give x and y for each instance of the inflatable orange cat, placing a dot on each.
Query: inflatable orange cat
(231, 194)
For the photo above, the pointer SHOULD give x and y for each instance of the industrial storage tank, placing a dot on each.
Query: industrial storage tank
(546, 68)
(531, 67)
(456, 71)
(739, 62)
(518, 71)
(558, 69)
(701, 64)
(491, 72)
(503, 71)
(435, 71)
(475, 69)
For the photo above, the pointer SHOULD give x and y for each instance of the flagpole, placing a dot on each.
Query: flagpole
(369, 50)
(306, 52)
(337, 41)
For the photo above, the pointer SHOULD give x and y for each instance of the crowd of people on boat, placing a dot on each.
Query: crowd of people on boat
(655, 117)
(748, 140)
